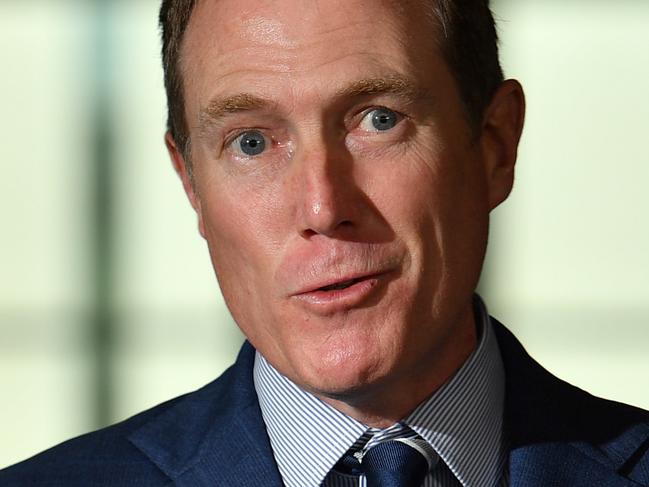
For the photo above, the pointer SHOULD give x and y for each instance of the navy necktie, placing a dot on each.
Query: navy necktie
(390, 464)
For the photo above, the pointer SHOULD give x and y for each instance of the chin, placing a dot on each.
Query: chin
(342, 371)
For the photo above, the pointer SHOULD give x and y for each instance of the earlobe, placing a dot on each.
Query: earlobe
(501, 132)
(180, 166)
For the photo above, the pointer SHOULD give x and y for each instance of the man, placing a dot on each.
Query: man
(342, 158)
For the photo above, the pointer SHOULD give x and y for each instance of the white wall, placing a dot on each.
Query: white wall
(568, 266)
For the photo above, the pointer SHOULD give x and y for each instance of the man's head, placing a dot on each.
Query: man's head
(465, 31)
(342, 189)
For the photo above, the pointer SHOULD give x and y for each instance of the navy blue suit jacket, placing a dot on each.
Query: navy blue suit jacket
(558, 434)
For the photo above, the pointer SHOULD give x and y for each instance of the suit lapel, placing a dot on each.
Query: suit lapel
(214, 436)
(561, 436)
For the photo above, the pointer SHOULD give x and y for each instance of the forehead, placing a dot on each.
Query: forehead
(231, 43)
(277, 21)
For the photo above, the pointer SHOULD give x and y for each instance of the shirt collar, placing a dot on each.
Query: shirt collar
(307, 435)
(462, 420)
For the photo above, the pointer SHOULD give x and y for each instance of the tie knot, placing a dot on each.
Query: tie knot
(394, 463)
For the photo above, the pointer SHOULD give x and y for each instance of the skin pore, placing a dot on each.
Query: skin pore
(343, 197)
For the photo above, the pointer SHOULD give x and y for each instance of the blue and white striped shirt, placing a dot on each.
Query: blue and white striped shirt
(461, 422)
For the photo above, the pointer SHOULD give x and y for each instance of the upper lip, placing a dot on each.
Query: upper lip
(331, 281)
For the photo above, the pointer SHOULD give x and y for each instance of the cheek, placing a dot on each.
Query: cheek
(412, 194)
(435, 200)
(241, 216)
(243, 239)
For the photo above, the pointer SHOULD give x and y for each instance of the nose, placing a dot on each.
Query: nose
(328, 199)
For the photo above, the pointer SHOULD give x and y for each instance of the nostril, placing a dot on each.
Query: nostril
(308, 233)
(330, 230)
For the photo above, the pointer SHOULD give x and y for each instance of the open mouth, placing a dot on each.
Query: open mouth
(341, 295)
(340, 285)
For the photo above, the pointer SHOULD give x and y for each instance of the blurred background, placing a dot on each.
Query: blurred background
(108, 304)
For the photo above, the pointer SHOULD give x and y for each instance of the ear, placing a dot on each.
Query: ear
(179, 163)
(501, 132)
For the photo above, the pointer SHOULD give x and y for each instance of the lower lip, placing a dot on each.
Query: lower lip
(327, 302)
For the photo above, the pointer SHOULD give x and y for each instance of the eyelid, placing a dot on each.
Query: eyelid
(235, 134)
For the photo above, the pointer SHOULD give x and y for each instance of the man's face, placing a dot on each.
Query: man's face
(343, 199)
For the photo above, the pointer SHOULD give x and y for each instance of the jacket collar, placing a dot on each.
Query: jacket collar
(215, 436)
(560, 435)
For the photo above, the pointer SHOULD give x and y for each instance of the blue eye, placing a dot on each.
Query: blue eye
(251, 143)
(379, 120)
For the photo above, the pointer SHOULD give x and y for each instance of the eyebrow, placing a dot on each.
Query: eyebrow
(219, 108)
(393, 85)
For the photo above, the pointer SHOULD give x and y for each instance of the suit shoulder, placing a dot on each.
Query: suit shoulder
(115, 455)
(106, 456)
(541, 409)
(109, 456)
(620, 431)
